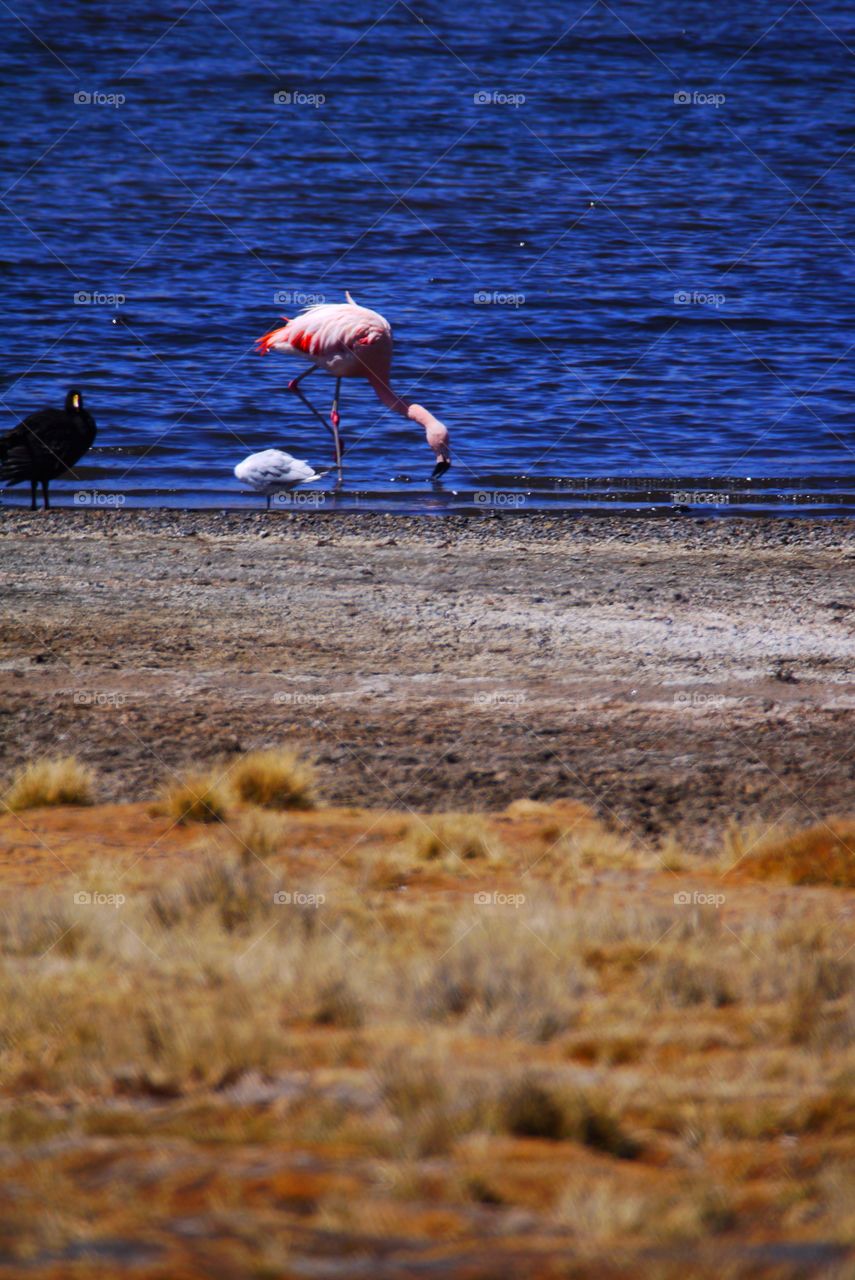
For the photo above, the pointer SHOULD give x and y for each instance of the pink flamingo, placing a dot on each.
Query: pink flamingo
(349, 341)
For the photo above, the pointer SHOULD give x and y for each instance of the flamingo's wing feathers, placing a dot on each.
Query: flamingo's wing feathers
(325, 332)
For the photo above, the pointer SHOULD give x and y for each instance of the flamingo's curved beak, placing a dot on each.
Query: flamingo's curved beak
(440, 469)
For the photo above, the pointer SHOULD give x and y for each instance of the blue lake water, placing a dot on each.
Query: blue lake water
(614, 242)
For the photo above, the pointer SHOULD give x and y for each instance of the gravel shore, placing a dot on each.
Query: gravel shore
(674, 673)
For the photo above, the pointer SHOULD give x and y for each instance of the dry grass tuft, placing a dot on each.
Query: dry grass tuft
(196, 797)
(37, 923)
(52, 781)
(338, 1005)
(277, 779)
(432, 1111)
(496, 982)
(823, 854)
(258, 834)
(686, 976)
(585, 848)
(236, 891)
(570, 812)
(599, 1211)
(451, 838)
(530, 1109)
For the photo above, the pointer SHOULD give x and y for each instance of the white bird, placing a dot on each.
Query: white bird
(273, 471)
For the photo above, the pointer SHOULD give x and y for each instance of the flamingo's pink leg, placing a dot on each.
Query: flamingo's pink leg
(334, 414)
(294, 386)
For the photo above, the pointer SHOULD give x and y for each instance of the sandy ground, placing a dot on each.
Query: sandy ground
(674, 674)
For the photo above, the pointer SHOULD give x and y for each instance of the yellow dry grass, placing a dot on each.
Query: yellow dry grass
(451, 838)
(55, 780)
(276, 779)
(255, 1032)
(196, 797)
(257, 834)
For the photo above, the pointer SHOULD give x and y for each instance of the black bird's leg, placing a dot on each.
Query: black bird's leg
(34, 488)
(45, 492)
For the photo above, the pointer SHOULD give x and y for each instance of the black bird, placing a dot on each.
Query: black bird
(45, 445)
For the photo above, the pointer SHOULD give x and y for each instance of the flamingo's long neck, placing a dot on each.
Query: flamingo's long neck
(393, 401)
(407, 408)
(436, 433)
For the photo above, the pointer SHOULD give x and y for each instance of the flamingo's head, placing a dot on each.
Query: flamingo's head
(438, 439)
(436, 432)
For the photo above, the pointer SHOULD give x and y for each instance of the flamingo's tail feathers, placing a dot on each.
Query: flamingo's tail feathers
(268, 340)
(350, 300)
